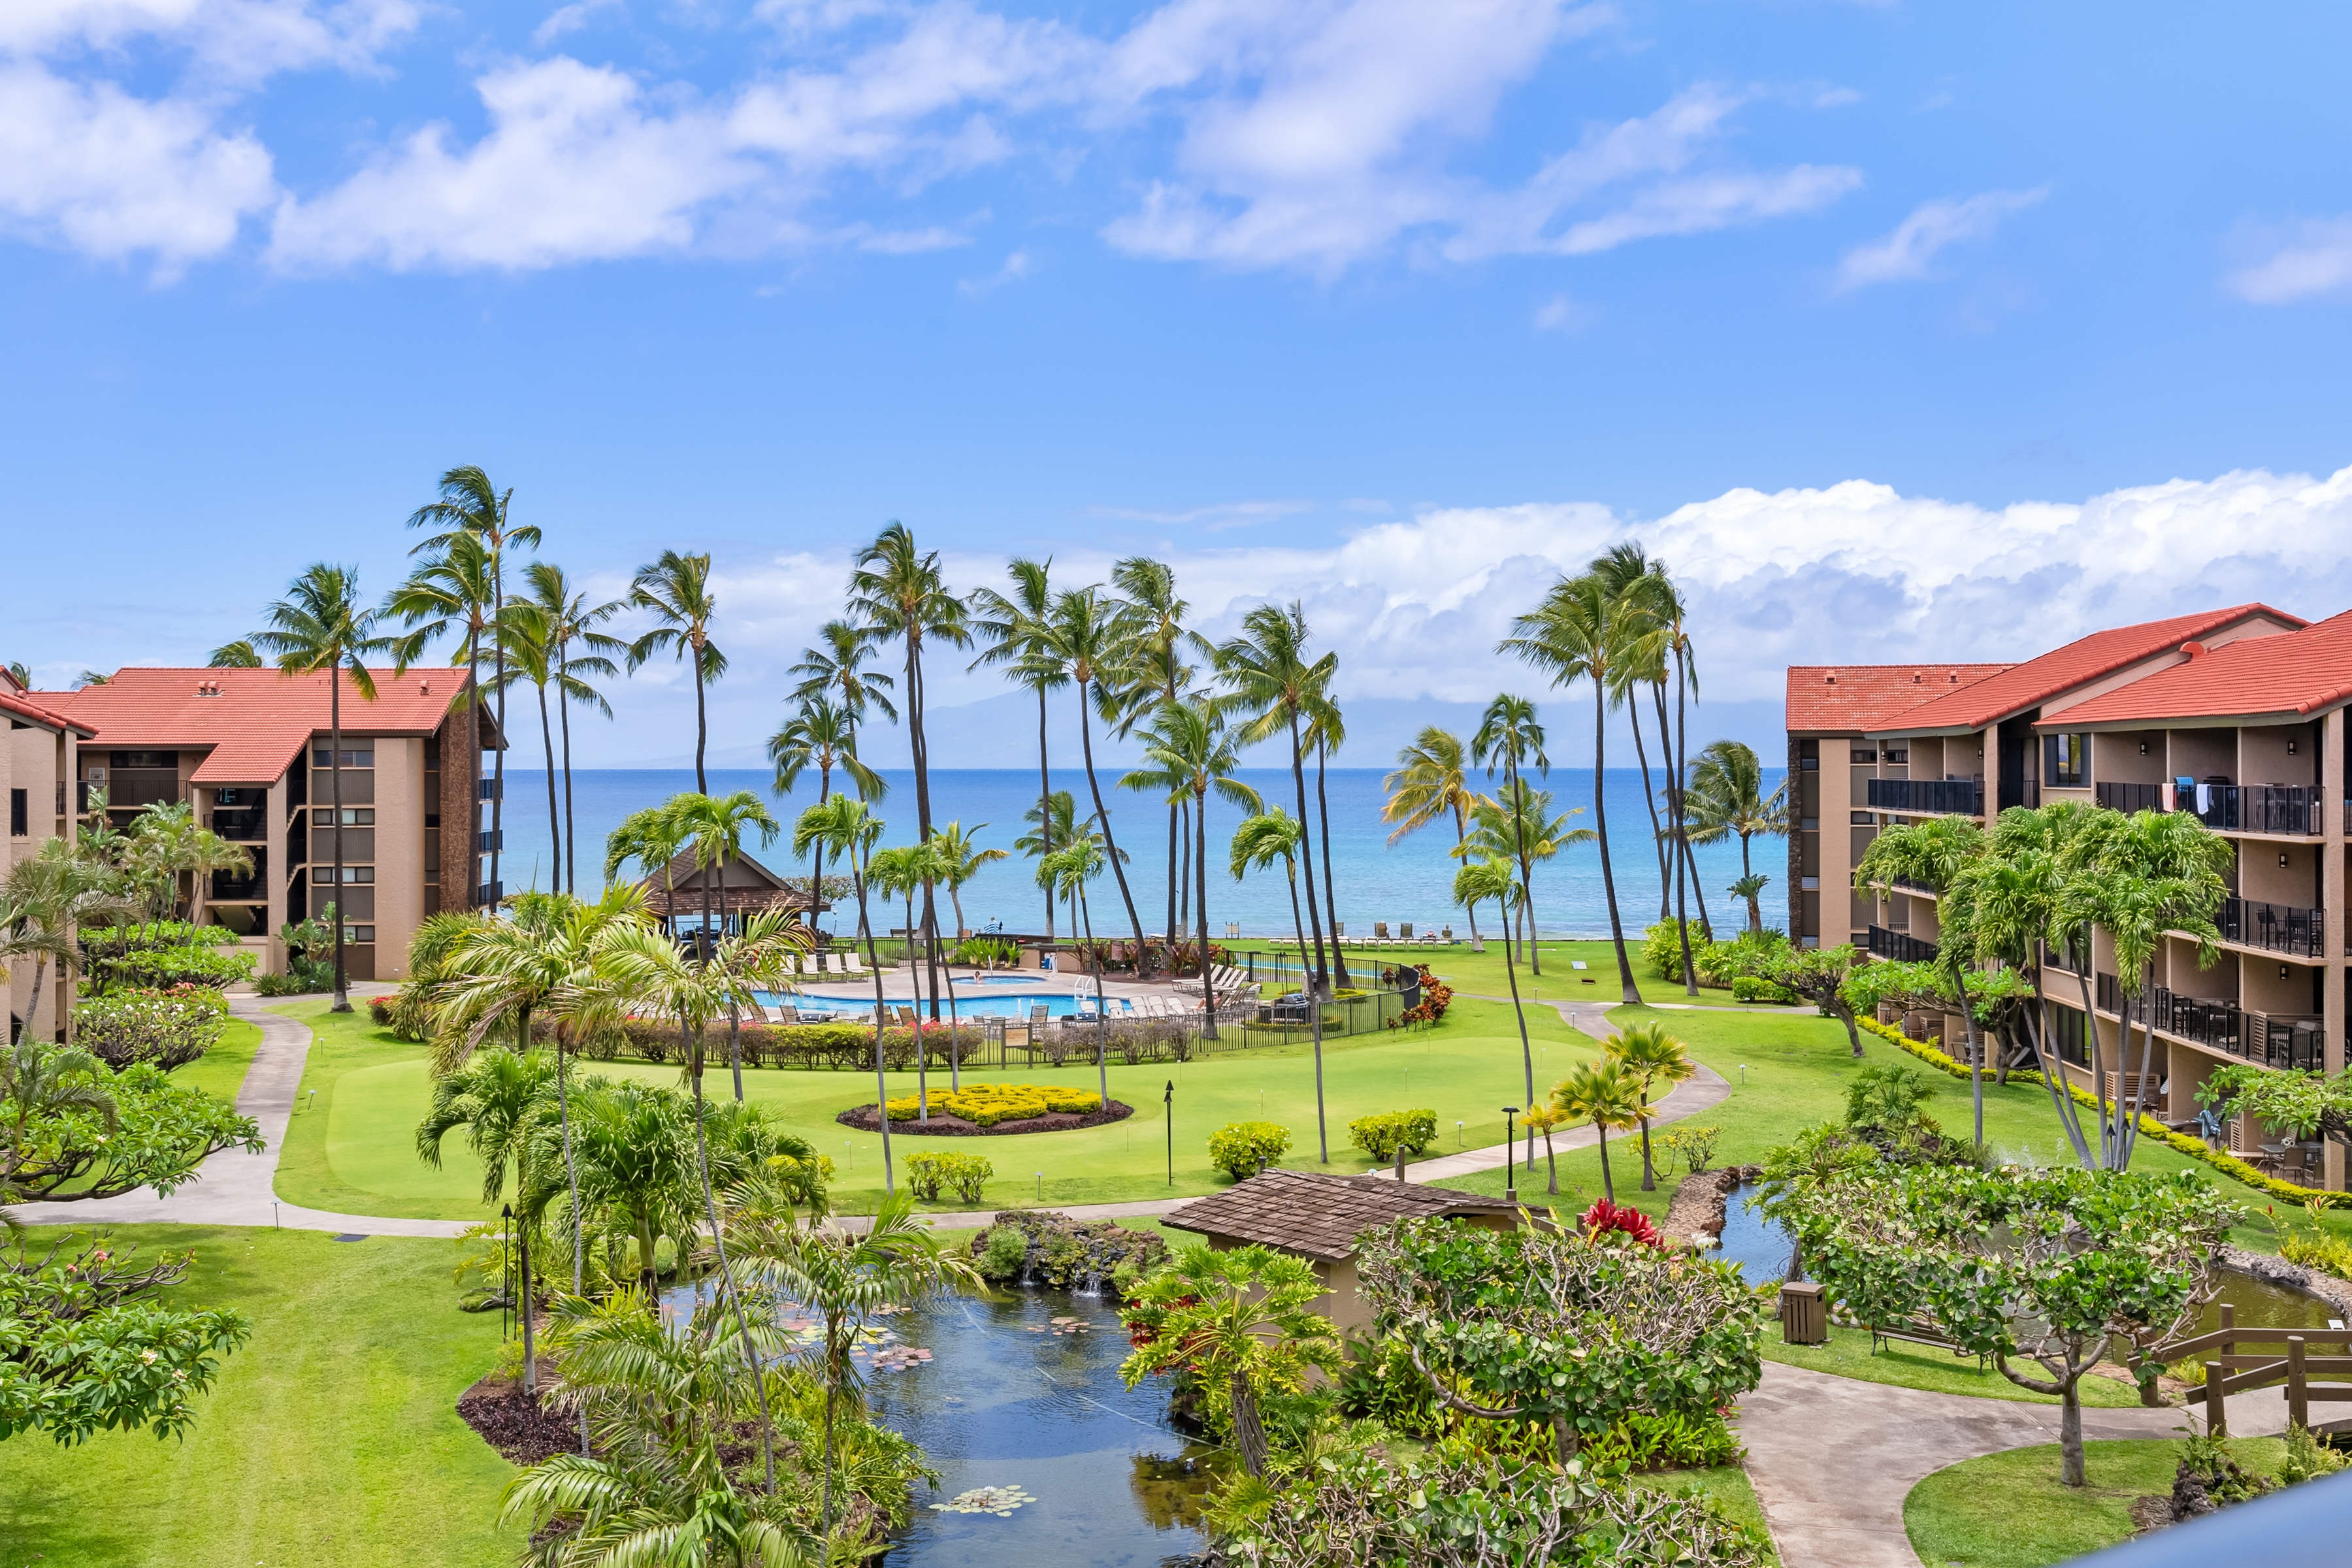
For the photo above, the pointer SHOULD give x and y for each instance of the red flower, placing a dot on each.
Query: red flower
(1604, 1216)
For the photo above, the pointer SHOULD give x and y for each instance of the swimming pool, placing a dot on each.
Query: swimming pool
(986, 1004)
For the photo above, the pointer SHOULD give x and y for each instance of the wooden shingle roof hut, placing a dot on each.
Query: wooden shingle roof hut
(739, 889)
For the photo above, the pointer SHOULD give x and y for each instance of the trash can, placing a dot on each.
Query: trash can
(1804, 1314)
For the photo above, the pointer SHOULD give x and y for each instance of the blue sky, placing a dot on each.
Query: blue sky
(1893, 328)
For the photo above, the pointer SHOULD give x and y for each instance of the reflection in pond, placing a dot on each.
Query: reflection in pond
(1024, 1392)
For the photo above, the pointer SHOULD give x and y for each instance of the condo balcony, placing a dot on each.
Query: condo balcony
(1960, 797)
(2273, 928)
(2284, 1041)
(2283, 811)
(1902, 947)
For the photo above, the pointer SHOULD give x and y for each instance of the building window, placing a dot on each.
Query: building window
(1861, 755)
(2066, 761)
(353, 815)
(355, 874)
(20, 811)
(358, 934)
(2066, 1035)
(324, 757)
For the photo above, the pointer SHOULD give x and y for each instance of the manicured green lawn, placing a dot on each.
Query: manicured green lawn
(355, 1152)
(2009, 1511)
(220, 1071)
(1848, 1354)
(1561, 981)
(332, 1438)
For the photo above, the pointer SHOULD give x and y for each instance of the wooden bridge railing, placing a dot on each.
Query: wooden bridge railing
(2232, 1372)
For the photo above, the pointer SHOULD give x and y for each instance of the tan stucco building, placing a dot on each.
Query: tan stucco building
(37, 768)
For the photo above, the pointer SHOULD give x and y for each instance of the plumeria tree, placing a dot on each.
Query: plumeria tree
(2043, 1270)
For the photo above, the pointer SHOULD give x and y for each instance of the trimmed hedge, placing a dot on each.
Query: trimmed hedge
(986, 1104)
(2228, 1165)
(928, 1172)
(1243, 1148)
(1381, 1135)
(161, 968)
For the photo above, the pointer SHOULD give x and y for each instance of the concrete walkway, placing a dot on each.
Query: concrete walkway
(1832, 1458)
(234, 1187)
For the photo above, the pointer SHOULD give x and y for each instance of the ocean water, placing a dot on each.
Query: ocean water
(1375, 880)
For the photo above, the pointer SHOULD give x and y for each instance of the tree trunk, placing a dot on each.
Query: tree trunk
(726, 1281)
(1649, 1171)
(571, 1181)
(1102, 1066)
(2070, 1431)
(570, 837)
(498, 759)
(1044, 807)
(1249, 1435)
(1633, 992)
(1510, 973)
(1551, 1161)
(1175, 846)
(1608, 1186)
(881, 1082)
(342, 1003)
(1681, 800)
(1462, 836)
(922, 747)
(530, 1346)
(1563, 1437)
(1110, 848)
(1317, 979)
(1649, 793)
(554, 825)
(1330, 882)
(701, 721)
(1314, 1016)
(1200, 908)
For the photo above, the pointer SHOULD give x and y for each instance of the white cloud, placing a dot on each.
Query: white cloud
(570, 20)
(110, 175)
(231, 42)
(1016, 266)
(2317, 260)
(577, 165)
(1561, 314)
(1908, 252)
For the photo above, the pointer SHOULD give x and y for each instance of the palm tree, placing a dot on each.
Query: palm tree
(1017, 629)
(1151, 616)
(1258, 843)
(1663, 606)
(848, 831)
(1934, 854)
(1089, 643)
(1242, 1317)
(1653, 1057)
(472, 507)
(1517, 824)
(1575, 634)
(531, 643)
(960, 860)
(1509, 737)
(1430, 782)
(1072, 867)
(636, 1161)
(500, 1099)
(902, 872)
(1272, 681)
(899, 591)
(715, 828)
(675, 590)
(1545, 1118)
(1607, 1095)
(1622, 569)
(1053, 822)
(1751, 887)
(456, 588)
(1491, 879)
(838, 669)
(1724, 797)
(822, 735)
(319, 628)
(846, 1277)
(1190, 752)
(238, 655)
(571, 619)
(1328, 731)
(43, 901)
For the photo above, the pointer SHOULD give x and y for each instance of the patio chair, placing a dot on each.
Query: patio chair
(1379, 931)
(1404, 931)
(853, 965)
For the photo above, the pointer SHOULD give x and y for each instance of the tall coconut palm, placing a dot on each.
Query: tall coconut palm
(1490, 878)
(821, 734)
(1258, 843)
(898, 593)
(1430, 782)
(961, 859)
(319, 628)
(1152, 615)
(1607, 1095)
(472, 507)
(456, 589)
(1573, 635)
(1934, 853)
(1508, 737)
(849, 832)
(1328, 731)
(1622, 569)
(1089, 643)
(1189, 754)
(1653, 1057)
(1272, 682)
(1665, 607)
(238, 655)
(899, 872)
(1017, 632)
(531, 658)
(1725, 799)
(675, 589)
(1072, 867)
(715, 829)
(1518, 824)
(580, 651)
(1053, 823)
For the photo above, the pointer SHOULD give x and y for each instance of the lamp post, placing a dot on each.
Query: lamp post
(506, 1272)
(1168, 1100)
(1510, 1155)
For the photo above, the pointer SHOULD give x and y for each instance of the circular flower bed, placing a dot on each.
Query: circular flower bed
(991, 1108)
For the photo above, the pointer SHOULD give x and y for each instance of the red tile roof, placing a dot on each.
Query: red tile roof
(255, 721)
(1850, 697)
(2080, 662)
(38, 713)
(2296, 673)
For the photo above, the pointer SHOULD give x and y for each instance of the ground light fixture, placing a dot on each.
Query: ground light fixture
(1168, 1100)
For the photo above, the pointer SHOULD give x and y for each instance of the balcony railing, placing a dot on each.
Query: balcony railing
(1962, 797)
(240, 827)
(488, 839)
(485, 789)
(1900, 946)
(2281, 1041)
(488, 893)
(2290, 810)
(2273, 928)
(228, 887)
(2128, 797)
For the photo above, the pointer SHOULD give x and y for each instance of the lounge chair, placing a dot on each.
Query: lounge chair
(853, 965)
(783, 1014)
(1404, 931)
(1379, 931)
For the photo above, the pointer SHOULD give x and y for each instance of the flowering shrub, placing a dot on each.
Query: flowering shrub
(169, 1029)
(1605, 1217)
(986, 1104)
(966, 1174)
(1435, 996)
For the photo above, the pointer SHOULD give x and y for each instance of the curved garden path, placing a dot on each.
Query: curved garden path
(1832, 1458)
(234, 1187)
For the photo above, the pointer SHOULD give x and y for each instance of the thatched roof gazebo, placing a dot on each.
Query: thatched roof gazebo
(738, 890)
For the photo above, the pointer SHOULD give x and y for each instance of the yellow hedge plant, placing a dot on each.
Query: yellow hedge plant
(986, 1104)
